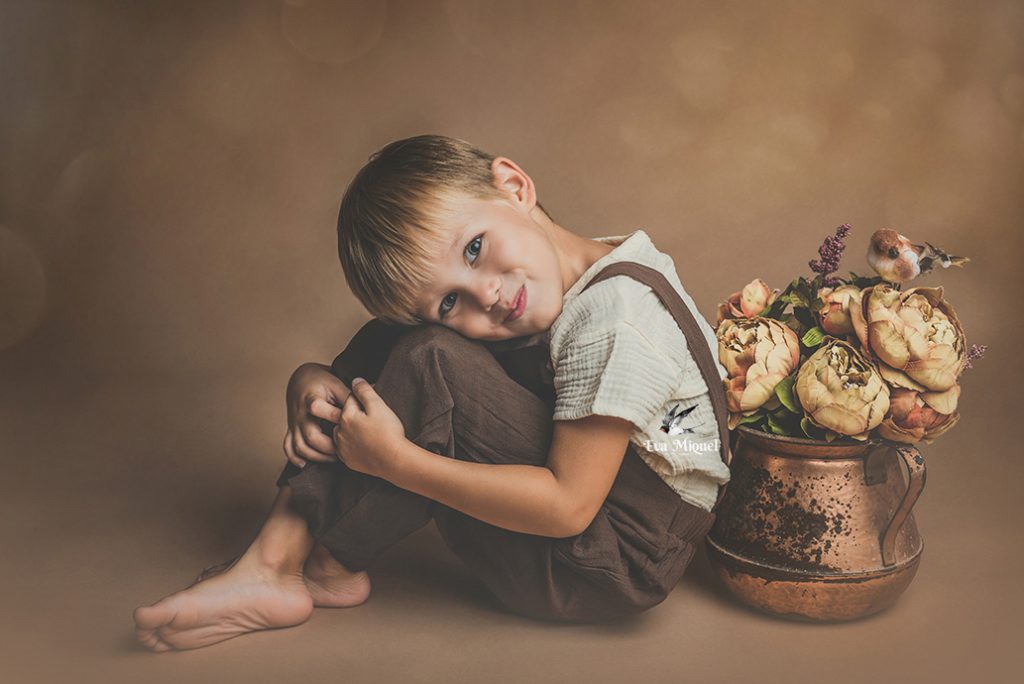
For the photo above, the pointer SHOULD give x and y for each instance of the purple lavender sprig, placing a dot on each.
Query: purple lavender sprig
(831, 252)
(977, 352)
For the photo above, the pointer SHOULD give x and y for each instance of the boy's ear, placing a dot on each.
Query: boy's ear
(510, 178)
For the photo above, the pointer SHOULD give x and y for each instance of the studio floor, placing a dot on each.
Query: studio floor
(125, 488)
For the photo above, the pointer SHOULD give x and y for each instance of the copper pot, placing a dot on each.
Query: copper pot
(817, 531)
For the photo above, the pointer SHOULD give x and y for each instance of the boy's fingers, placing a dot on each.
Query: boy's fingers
(302, 452)
(338, 394)
(316, 456)
(290, 453)
(307, 453)
(364, 392)
(352, 404)
(317, 440)
(323, 409)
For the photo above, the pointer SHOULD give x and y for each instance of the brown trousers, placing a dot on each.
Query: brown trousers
(457, 398)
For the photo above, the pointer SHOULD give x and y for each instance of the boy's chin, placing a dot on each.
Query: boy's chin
(512, 334)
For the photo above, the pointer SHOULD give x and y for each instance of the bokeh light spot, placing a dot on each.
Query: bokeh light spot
(922, 70)
(333, 31)
(842, 64)
(704, 68)
(876, 113)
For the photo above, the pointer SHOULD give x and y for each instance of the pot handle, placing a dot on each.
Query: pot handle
(916, 469)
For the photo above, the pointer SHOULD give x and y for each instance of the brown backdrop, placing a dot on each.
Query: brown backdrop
(169, 179)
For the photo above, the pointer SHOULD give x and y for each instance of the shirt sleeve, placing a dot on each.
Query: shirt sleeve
(615, 371)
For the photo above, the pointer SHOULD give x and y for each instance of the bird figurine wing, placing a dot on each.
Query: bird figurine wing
(933, 256)
(898, 260)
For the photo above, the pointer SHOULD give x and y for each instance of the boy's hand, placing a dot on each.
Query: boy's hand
(369, 433)
(314, 394)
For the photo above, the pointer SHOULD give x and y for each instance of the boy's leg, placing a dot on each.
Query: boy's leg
(355, 516)
(455, 398)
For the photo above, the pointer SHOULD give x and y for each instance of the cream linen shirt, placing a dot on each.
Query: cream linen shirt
(616, 351)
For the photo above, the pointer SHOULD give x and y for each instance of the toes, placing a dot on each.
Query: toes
(146, 637)
(151, 617)
(151, 640)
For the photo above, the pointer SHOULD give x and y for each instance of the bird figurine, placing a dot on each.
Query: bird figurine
(898, 260)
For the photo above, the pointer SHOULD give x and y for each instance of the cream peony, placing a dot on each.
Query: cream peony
(757, 353)
(841, 391)
(916, 333)
(919, 416)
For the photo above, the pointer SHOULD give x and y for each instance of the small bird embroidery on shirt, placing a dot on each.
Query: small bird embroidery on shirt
(898, 260)
(671, 422)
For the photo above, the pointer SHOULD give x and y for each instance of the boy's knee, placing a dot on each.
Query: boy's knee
(430, 339)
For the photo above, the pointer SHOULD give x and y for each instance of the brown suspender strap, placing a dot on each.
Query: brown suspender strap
(695, 340)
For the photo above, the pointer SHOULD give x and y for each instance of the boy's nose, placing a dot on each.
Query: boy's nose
(489, 295)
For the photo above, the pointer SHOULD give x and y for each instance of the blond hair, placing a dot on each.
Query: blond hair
(390, 225)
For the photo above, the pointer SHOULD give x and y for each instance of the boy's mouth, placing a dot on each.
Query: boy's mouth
(518, 306)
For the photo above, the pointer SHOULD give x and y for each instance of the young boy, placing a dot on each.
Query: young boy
(544, 479)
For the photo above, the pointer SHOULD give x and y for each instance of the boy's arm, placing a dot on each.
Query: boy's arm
(559, 500)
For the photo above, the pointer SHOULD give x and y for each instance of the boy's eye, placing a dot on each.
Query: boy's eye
(452, 297)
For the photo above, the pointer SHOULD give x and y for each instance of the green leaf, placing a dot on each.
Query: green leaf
(752, 418)
(804, 288)
(793, 324)
(784, 422)
(776, 309)
(784, 391)
(813, 337)
(799, 298)
(864, 281)
(805, 317)
(809, 428)
(831, 436)
(776, 426)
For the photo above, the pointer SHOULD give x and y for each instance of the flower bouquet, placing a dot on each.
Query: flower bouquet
(831, 383)
(834, 358)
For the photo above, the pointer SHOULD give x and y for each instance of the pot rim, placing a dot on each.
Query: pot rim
(812, 448)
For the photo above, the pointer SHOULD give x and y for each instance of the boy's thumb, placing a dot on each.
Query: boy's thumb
(364, 391)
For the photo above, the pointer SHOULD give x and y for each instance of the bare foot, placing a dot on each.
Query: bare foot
(331, 584)
(247, 597)
(214, 570)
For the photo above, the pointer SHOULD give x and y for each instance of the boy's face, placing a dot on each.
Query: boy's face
(494, 250)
